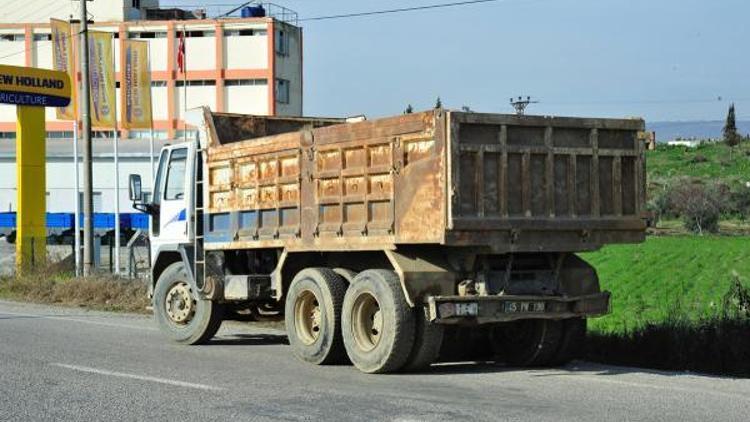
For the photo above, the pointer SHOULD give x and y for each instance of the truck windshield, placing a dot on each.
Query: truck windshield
(157, 182)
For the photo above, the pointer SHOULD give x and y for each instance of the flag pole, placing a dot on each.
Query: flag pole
(151, 120)
(77, 206)
(184, 84)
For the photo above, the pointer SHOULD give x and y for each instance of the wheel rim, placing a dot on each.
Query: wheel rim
(367, 322)
(180, 304)
(307, 317)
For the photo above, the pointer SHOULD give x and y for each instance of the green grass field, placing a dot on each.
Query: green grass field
(672, 161)
(667, 276)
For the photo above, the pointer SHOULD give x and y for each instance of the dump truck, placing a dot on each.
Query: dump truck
(378, 240)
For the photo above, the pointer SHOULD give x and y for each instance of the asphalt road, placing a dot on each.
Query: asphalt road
(68, 364)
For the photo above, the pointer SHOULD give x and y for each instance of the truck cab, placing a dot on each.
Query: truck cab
(170, 206)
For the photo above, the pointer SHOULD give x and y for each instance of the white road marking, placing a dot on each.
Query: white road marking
(83, 321)
(138, 377)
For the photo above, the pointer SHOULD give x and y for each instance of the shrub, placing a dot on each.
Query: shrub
(700, 206)
(739, 201)
(699, 158)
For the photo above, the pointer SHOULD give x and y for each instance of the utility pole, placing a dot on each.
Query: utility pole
(520, 104)
(88, 204)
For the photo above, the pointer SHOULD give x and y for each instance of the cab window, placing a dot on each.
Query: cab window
(175, 186)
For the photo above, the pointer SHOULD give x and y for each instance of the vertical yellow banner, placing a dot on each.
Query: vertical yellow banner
(63, 60)
(137, 86)
(102, 80)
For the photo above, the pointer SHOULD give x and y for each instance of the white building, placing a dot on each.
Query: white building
(241, 65)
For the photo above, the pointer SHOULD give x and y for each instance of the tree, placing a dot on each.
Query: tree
(438, 103)
(409, 109)
(731, 137)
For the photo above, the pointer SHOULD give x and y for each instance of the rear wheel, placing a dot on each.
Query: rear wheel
(312, 316)
(377, 323)
(179, 312)
(346, 273)
(530, 342)
(571, 343)
(428, 338)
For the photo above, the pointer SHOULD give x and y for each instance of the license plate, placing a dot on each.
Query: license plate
(453, 309)
(524, 307)
(467, 309)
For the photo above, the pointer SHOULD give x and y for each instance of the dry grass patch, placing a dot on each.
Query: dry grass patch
(105, 293)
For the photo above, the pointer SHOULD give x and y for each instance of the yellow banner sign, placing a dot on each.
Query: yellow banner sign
(136, 114)
(62, 60)
(29, 86)
(102, 80)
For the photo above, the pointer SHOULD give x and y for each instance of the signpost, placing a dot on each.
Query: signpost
(31, 90)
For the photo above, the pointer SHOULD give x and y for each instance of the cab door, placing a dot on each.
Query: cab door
(173, 190)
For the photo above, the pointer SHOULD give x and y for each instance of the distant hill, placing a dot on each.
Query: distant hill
(709, 129)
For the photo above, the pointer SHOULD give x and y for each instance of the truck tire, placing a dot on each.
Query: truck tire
(183, 317)
(377, 323)
(313, 316)
(428, 339)
(571, 343)
(346, 273)
(530, 342)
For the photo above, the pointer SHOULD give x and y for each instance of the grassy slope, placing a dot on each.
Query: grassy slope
(667, 275)
(668, 162)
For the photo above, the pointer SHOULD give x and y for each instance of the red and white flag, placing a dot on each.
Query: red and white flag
(181, 53)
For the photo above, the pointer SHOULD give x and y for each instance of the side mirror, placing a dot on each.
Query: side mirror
(135, 189)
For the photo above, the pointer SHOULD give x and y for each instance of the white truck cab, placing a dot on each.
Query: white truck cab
(171, 207)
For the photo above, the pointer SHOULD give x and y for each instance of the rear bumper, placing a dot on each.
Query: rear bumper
(489, 309)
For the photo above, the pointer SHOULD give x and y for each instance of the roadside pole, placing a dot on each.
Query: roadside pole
(76, 191)
(116, 249)
(88, 204)
(116, 151)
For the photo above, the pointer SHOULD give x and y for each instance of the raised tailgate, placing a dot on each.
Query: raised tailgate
(547, 174)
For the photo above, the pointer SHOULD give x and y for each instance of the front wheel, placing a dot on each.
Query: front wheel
(178, 311)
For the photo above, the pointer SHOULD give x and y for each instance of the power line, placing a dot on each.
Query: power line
(399, 10)
(648, 101)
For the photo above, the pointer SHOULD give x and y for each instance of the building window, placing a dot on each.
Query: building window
(7, 135)
(244, 32)
(65, 134)
(282, 91)
(282, 43)
(103, 134)
(198, 34)
(136, 4)
(146, 134)
(175, 188)
(244, 82)
(12, 37)
(42, 37)
(200, 82)
(147, 35)
(191, 134)
(156, 84)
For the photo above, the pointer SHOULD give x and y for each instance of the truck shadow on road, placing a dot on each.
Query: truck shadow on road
(249, 340)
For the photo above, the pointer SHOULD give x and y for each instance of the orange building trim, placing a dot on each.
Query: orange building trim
(28, 42)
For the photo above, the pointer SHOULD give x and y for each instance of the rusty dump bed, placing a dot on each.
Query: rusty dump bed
(500, 183)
